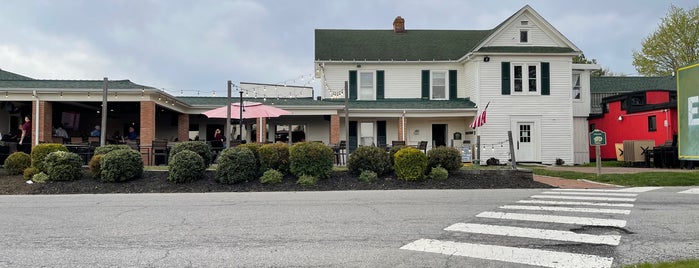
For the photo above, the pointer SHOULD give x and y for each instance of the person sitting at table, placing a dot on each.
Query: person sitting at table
(96, 132)
(132, 134)
(61, 132)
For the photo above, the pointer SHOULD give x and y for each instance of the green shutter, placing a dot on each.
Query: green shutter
(352, 85)
(545, 78)
(425, 84)
(379, 85)
(452, 84)
(381, 133)
(352, 136)
(505, 78)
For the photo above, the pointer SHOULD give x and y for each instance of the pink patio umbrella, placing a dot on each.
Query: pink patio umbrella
(250, 110)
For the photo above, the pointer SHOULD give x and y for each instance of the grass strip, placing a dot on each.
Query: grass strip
(675, 264)
(629, 179)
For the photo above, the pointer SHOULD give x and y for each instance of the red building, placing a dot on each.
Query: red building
(639, 115)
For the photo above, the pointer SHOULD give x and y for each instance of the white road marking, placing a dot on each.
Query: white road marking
(627, 190)
(588, 193)
(553, 218)
(569, 209)
(612, 240)
(546, 202)
(690, 191)
(527, 256)
(595, 198)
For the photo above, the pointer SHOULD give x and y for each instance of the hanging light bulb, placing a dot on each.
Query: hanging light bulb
(88, 94)
(61, 94)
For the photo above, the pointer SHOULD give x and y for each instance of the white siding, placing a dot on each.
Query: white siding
(470, 70)
(582, 142)
(555, 111)
(538, 36)
(582, 107)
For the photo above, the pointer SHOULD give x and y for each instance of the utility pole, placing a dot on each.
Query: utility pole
(228, 113)
(347, 132)
(103, 125)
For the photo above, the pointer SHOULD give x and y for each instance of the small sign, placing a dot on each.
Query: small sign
(598, 137)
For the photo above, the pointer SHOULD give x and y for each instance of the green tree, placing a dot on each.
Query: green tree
(601, 72)
(674, 44)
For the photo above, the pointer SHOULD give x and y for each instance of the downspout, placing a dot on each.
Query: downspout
(36, 119)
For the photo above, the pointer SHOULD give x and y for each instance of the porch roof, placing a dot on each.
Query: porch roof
(412, 104)
(69, 84)
(5, 75)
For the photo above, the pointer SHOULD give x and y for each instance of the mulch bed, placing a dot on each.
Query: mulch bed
(156, 182)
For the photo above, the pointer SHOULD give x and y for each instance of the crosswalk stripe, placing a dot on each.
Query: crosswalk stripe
(690, 191)
(545, 258)
(569, 209)
(546, 202)
(553, 218)
(588, 193)
(612, 240)
(627, 190)
(595, 198)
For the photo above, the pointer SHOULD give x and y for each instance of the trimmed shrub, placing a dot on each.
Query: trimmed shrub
(439, 173)
(272, 176)
(40, 152)
(235, 165)
(94, 165)
(367, 176)
(63, 166)
(17, 162)
(447, 157)
(40, 177)
(111, 147)
(274, 156)
(492, 161)
(560, 162)
(307, 180)
(392, 154)
(410, 164)
(121, 165)
(369, 158)
(255, 149)
(29, 172)
(311, 158)
(198, 147)
(186, 166)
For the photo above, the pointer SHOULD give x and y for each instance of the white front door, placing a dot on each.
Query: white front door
(525, 142)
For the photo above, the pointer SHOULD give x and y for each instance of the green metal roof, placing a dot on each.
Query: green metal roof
(5, 75)
(70, 84)
(377, 104)
(385, 45)
(526, 49)
(621, 84)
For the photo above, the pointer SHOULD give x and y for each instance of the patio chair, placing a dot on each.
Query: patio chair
(397, 143)
(160, 152)
(422, 146)
(76, 140)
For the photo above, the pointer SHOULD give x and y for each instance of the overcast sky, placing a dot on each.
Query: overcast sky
(190, 46)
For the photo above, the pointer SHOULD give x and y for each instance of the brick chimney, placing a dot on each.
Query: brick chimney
(399, 25)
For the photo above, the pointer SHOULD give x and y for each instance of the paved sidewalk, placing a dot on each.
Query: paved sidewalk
(570, 184)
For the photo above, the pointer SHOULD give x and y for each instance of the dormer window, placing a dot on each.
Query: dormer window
(523, 36)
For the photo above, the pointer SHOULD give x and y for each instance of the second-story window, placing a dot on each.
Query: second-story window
(576, 87)
(366, 86)
(525, 78)
(439, 85)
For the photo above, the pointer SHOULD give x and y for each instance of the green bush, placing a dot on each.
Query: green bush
(439, 173)
(186, 166)
(255, 149)
(63, 166)
(311, 158)
(307, 180)
(272, 176)
(40, 152)
(392, 153)
(447, 157)
(410, 164)
(111, 147)
(274, 156)
(40, 177)
(17, 162)
(369, 158)
(29, 172)
(121, 165)
(236, 165)
(367, 176)
(94, 165)
(198, 147)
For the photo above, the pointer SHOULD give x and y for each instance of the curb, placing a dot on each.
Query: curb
(601, 183)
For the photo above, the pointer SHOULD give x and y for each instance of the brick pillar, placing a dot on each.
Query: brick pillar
(401, 128)
(183, 127)
(334, 129)
(147, 131)
(45, 121)
(262, 129)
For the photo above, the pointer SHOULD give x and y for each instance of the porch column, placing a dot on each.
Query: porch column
(334, 129)
(261, 130)
(402, 128)
(147, 131)
(183, 127)
(45, 121)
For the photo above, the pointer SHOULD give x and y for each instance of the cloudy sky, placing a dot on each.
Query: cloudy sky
(194, 47)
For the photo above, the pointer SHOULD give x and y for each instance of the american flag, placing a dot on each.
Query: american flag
(480, 120)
